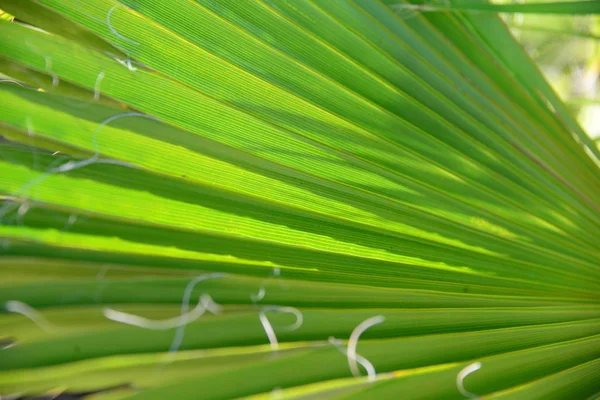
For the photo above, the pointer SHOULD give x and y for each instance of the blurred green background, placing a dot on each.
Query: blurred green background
(567, 50)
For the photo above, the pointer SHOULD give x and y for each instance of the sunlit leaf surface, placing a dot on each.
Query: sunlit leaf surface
(291, 199)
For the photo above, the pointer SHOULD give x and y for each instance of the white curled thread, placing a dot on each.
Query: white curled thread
(10, 205)
(113, 30)
(55, 79)
(259, 296)
(73, 165)
(460, 377)
(25, 206)
(353, 342)
(205, 303)
(11, 81)
(371, 373)
(185, 305)
(97, 86)
(72, 219)
(48, 62)
(27, 311)
(261, 291)
(126, 62)
(21, 211)
(269, 328)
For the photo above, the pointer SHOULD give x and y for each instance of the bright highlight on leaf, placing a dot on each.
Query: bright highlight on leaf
(394, 201)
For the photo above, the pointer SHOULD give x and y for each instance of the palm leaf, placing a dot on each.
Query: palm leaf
(208, 199)
(553, 7)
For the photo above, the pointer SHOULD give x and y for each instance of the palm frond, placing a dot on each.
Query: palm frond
(208, 199)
